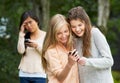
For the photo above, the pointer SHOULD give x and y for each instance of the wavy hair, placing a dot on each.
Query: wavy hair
(79, 13)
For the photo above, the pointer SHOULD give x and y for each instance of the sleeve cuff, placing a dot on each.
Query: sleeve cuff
(21, 34)
(87, 62)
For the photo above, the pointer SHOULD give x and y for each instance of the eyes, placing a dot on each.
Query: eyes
(79, 25)
(29, 22)
(65, 31)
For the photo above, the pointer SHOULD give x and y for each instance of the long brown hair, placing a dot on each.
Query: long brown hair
(79, 13)
(56, 22)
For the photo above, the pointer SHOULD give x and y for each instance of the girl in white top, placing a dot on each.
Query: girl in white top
(30, 44)
(95, 60)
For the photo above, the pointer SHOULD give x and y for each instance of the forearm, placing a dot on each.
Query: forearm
(20, 45)
(63, 74)
(104, 59)
(99, 63)
(39, 49)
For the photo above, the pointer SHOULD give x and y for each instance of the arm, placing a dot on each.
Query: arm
(35, 44)
(38, 45)
(106, 59)
(56, 67)
(20, 45)
(61, 75)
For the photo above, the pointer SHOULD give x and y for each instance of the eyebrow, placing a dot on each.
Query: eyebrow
(27, 22)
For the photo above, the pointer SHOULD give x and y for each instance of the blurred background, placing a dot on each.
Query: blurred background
(105, 14)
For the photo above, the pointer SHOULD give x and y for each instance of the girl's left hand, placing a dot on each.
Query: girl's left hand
(31, 44)
(82, 61)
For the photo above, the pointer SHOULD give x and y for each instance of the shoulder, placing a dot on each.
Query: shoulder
(96, 32)
(43, 32)
(51, 50)
(42, 35)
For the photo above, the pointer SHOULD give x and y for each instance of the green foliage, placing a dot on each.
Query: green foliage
(113, 35)
(12, 9)
(8, 63)
(116, 76)
(9, 58)
(114, 27)
(115, 8)
(64, 5)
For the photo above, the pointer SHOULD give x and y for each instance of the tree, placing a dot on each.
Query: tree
(41, 8)
(45, 9)
(103, 13)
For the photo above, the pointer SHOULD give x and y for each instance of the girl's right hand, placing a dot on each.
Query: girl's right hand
(73, 57)
(22, 28)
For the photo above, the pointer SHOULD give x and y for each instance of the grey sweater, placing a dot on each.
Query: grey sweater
(98, 67)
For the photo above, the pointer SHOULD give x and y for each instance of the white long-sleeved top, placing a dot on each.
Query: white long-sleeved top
(31, 62)
(98, 67)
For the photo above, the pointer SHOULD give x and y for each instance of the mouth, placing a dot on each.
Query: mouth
(79, 32)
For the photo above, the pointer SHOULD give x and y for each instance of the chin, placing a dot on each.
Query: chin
(64, 42)
(80, 35)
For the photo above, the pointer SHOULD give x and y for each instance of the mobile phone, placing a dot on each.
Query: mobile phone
(27, 40)
(74, 51)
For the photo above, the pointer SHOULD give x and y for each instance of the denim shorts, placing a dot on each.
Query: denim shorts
(33, 80)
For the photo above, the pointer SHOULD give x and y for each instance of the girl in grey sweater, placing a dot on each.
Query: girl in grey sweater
(95, 60)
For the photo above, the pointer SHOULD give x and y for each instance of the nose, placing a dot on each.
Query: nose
(77, 28)
(28, 24)
(63, 35)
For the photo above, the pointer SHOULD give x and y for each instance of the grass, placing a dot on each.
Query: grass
(116, 76)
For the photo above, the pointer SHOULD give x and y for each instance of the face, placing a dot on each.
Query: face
(78, 27)
(30, 25)
(63, 35)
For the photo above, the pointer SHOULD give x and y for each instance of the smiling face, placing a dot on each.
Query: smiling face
(78, 27)
(30, 25)
(63, 34)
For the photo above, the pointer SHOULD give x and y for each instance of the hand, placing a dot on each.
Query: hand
(31, 43)
(82, 60)
(73, 57)
(23, 28)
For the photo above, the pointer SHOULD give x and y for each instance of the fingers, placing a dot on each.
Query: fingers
(82, 61)
(31, 44)
(76, 58)
(74, 52)
(23, 27)
(74, 55)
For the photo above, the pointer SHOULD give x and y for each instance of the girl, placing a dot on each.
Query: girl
(95, 60)
(30, 43)
(60, 66)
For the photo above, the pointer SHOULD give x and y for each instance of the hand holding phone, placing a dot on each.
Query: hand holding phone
(31, 43)
(74, 55)
(73, 52)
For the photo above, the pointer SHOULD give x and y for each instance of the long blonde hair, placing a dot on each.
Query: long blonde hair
(56, 22)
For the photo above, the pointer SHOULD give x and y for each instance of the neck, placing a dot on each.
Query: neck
(35, 34)
(63, 46)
